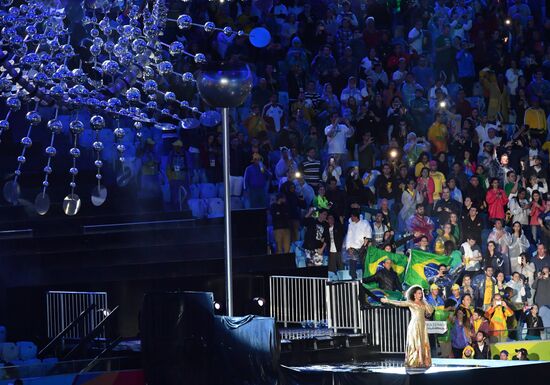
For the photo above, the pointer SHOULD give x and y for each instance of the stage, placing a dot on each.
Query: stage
(443, 371)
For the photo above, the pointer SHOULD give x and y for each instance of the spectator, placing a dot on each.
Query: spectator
(446, 314)
(485, 288)
(426, 187)
(336, 234)
(275, 113)
(438, 134)
(438, 178)
(409, 199)
(433, 298)
(386, 278)
(497, 314)
(256, 178)
(541, 258)
(460, 333)
(482, 350)
(337, 133)
(496, 200)
(536, 209)
(366, 153)
(467, 286)
(316, 237)
(445, 206)
(379, 229)
(542, 287)
(479, 322)
(414, 148)
(357, 239)
(535, 120)
(534, 323)
(333, 170)
(420, 225)
(311, 168)
(471, 254)
(281, 224)
(521, 355)
(503, 355)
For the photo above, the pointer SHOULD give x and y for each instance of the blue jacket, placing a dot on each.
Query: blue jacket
(465, 62)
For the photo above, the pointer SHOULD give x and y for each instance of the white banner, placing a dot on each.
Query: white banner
(436, 327)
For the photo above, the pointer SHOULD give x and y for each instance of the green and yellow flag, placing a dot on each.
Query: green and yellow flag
(423, 266)
(375, 257)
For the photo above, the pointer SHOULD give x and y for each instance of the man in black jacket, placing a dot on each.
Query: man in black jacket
(476, 192)
(334, 243)
(386, 278)
(472, 225)
(482, 350)
(445, 206)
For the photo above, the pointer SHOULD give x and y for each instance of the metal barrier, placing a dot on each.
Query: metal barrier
(297, 299)
(343, 309)
(387, 328)
(62, 307)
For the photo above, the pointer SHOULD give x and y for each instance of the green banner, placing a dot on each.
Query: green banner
(422, 266)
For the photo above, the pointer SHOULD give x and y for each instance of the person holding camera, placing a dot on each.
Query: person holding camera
(542, 287)
(497, 314)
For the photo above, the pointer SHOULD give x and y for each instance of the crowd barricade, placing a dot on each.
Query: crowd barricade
(317, 302)
(63, 307)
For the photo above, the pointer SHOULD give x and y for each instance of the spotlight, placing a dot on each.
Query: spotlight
(297, 174)
(393, 153)
(508, 22)
(259, 301)
(217, 306)
(443, 104)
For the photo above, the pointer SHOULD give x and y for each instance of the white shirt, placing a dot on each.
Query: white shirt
(332, 244)
(357, 232)
(417, 44)
(483, 133)
(512, 79)
(337, 141)
(275, 112)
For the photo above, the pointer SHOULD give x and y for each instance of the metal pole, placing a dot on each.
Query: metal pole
(227, 217)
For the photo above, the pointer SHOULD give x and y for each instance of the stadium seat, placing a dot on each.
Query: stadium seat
(197, 207)
(236, 185)
(33, 367)
(27, 350)
(10, 352)
(219, 190)
(2, 334)
(208, 190)
(215, 207)
(48, 364)
(237, 203)
(194, 191)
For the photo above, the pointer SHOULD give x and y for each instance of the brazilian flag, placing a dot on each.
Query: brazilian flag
(374, 261)
(422, 266)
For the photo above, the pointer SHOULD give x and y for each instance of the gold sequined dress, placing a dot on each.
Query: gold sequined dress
(417, 351)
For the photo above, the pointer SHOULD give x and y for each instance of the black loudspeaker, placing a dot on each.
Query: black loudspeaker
(176, 329)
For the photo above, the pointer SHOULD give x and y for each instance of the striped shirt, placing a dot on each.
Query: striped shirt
(311, 168)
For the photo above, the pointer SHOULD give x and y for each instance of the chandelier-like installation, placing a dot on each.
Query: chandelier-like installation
(105, 57)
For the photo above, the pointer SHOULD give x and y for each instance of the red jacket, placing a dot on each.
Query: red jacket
(496, 200)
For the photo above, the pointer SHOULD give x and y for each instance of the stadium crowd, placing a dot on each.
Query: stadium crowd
(400, 125)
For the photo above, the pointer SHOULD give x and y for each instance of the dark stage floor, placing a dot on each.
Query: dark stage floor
(443, 371)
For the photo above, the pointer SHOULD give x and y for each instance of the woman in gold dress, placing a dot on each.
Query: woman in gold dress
(417, 352)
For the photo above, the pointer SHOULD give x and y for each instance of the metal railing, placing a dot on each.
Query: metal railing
(62, 307)
(387, 328)
(297, 299)
(343, 309)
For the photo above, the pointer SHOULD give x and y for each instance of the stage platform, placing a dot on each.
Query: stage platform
(443, 371)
